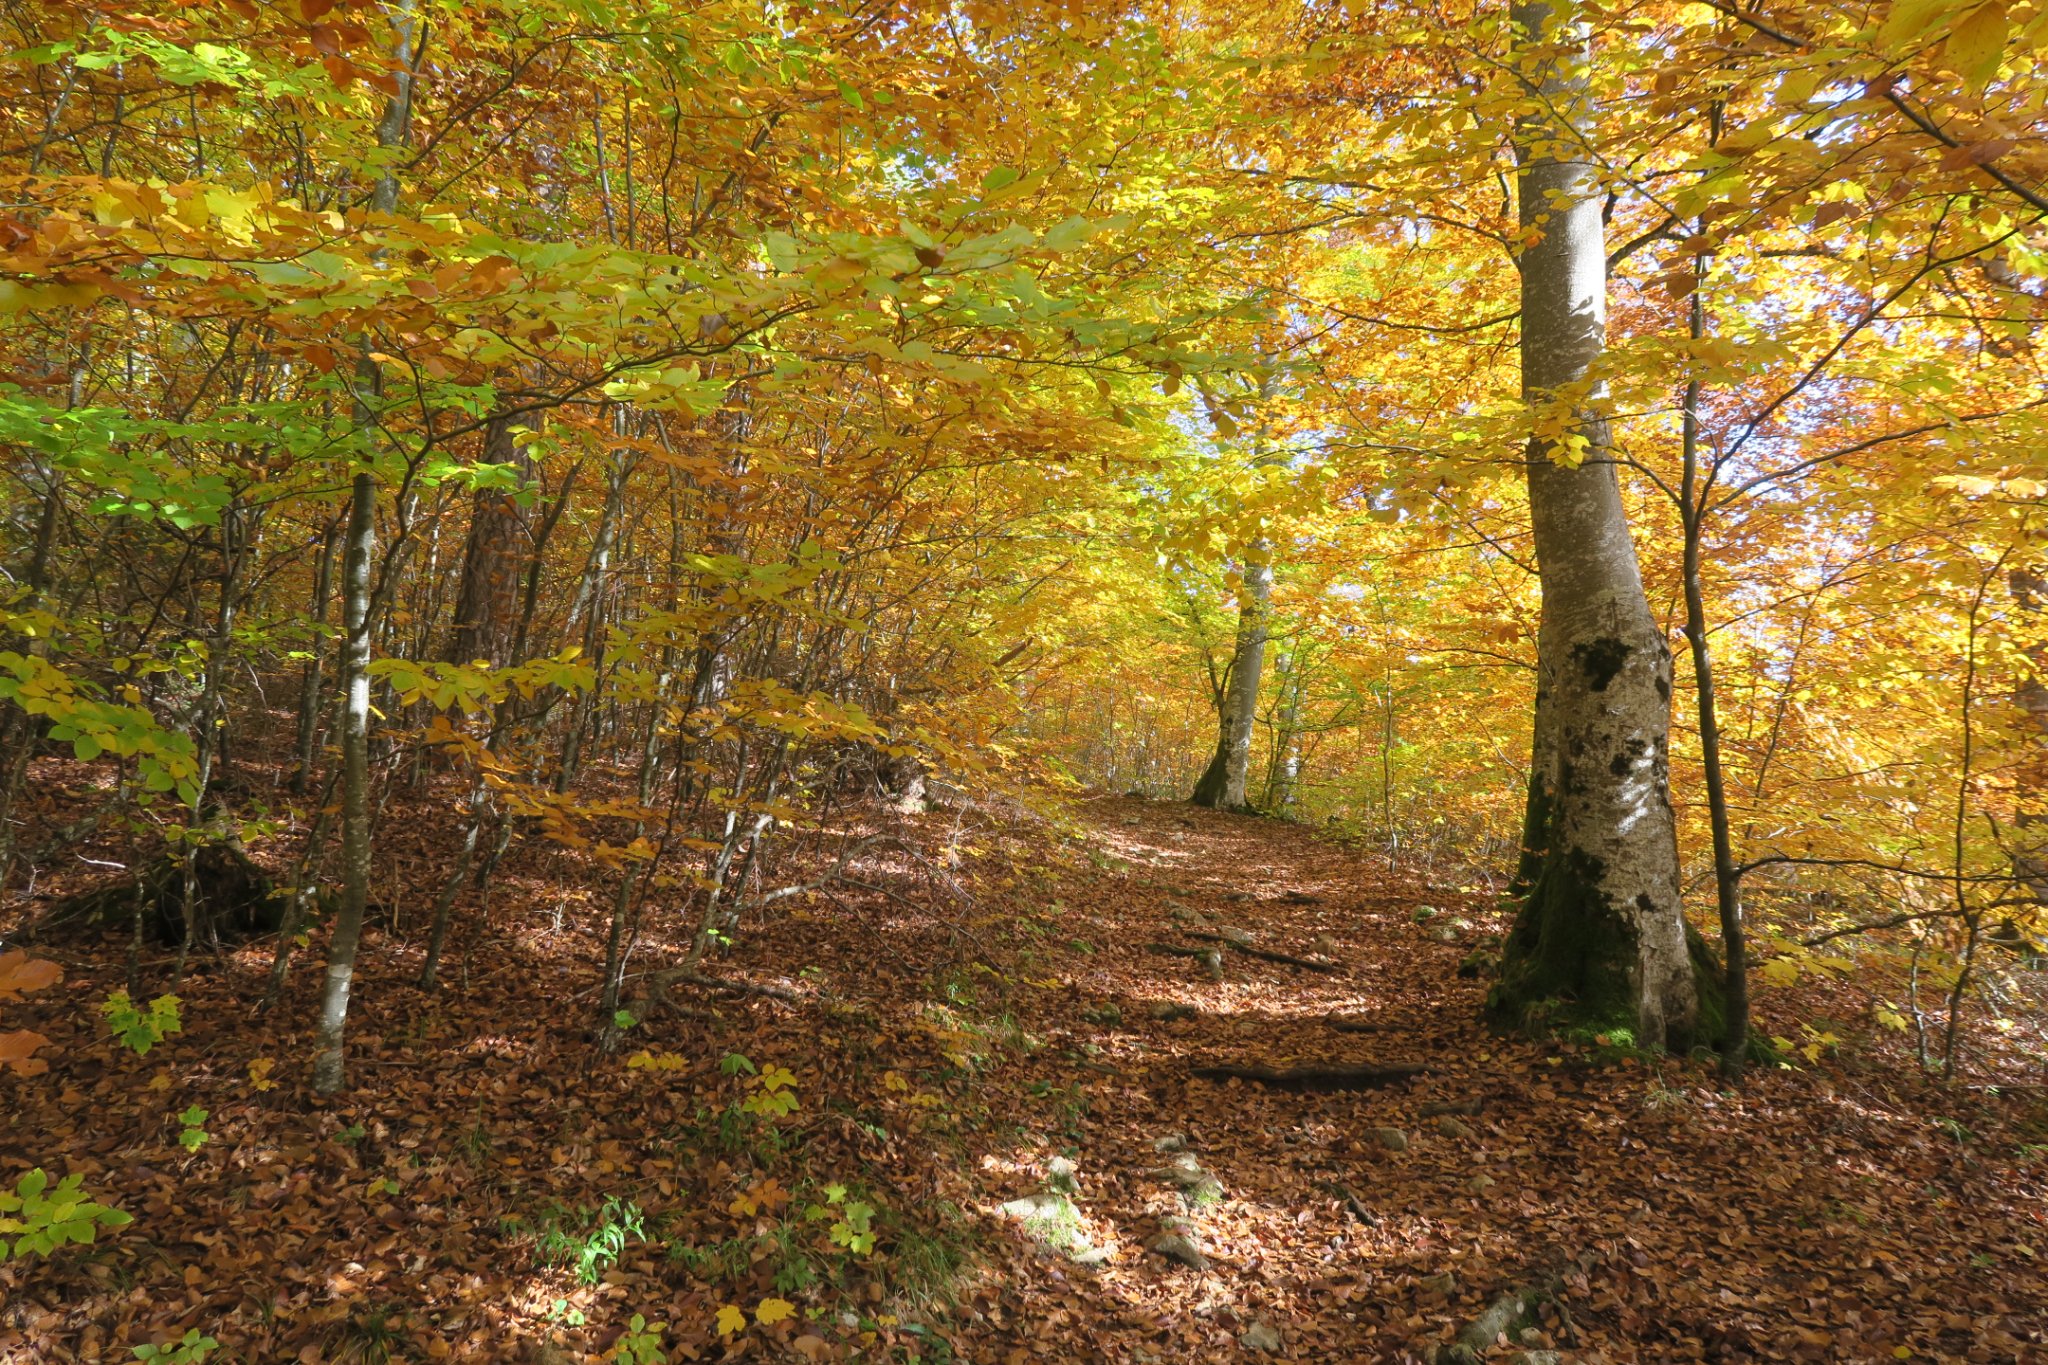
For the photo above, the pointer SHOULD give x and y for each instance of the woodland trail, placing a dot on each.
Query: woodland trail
(964, 1049)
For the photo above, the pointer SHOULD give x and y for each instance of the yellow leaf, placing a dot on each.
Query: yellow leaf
(1781, 971)
(1977, 45)
(774, 1310)
(730, 1320)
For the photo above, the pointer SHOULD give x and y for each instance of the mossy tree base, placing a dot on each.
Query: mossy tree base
(1568, 965)
(1567, 973)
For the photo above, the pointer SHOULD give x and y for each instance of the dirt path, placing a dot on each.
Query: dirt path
(1819, 1215)
(995, 1031)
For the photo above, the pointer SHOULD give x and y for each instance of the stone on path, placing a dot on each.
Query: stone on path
(1393, 1139)
(1260, 1337)
(1179, 1248)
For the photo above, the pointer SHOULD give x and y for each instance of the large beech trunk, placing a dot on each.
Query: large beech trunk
(1601, 936)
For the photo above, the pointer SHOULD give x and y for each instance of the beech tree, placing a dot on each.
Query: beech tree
(1602, 933)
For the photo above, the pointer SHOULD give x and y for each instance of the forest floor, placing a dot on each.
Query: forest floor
(996, 1134)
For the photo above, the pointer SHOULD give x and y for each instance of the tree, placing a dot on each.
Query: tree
(359, 547)
(1601, 931)
(1222, 784)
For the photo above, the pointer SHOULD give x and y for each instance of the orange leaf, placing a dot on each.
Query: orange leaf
(19, 974)
(17, 1049)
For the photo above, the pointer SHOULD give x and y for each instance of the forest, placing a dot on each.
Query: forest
(941, 682)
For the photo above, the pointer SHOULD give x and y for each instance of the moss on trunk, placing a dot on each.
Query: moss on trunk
(1568, 959)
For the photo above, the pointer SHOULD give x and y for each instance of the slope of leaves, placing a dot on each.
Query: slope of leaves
(984, 1005)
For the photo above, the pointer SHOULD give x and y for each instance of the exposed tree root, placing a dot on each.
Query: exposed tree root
(1237, 944)
(1361, 1076)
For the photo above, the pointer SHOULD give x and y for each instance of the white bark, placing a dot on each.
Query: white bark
(1611, 846)
(1241, 700)
(358, 547)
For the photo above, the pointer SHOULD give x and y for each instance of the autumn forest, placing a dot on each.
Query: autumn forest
(929, 681)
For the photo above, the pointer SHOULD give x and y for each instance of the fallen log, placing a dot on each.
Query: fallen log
(1356, 1076)
(1345, 1024)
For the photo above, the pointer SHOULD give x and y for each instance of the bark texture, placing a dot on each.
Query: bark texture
(1223, 783)
(1601, 935)
(488, 599)
(359, 545)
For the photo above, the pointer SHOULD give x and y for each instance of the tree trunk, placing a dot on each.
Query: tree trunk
(359, 545)
(1285, 771)
(17, 727)
(489, 593)
(307, 743)
(1223, 782)
(1601, 934)
(1692, 502)
(2030, 779)
(586, 610)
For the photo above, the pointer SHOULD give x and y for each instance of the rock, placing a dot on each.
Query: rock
(1035, 1206)
(1060, 1176)
(1166, 1011)
(1393, 1139)
(1424, 913)
(1260, 1337)
(1241, 937)
(1181, 1250)
(1170, 1142)
(1196, 1185)
(1212, 962)
(1447, 934)
(1452, 1126)
(1445, 1284)
(1238, 897)
(1093, 1256)
(1051, 1220)
(1481, 1183)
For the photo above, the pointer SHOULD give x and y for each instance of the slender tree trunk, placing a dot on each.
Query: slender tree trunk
(2030, 780)
(1734, 1039)
(1601, 935)
(17, 727)
(587, 611)
(313, 682)
(209, 717)
(1223, 783)
(1286, 766)
(359, 546)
